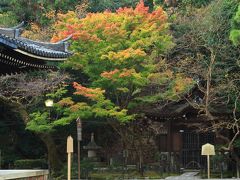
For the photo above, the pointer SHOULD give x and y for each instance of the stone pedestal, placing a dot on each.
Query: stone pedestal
(91, 153)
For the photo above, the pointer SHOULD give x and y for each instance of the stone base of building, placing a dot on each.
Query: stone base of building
(24, 174)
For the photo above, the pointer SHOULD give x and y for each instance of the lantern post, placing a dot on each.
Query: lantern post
(49, 104)
(79, 138)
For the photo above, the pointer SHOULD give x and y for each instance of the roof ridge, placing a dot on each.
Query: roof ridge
(38, 50)
(13, 34)
(18, 26)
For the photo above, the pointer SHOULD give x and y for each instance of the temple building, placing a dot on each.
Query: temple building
(179, 139)
(18, 54)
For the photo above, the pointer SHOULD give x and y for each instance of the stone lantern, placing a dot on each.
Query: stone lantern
(92, 147)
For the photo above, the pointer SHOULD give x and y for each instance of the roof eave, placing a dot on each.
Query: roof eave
(40, 57)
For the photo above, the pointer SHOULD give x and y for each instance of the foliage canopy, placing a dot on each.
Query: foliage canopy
(119, 53)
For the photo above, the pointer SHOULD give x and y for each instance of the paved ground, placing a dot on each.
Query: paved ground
(185, 176)
(190, 176)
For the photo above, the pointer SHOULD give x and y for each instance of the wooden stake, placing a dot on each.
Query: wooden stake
(79, 138)
(207, 150)
(79, 168)
(208, 162)
(69, 166)
(69, 151)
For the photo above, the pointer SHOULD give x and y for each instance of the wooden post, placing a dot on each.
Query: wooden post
(69, 151)
(0, 159)
(207, 150)
(79, 168)
(79, 138)
(208, 162)
(69, 166)
(237, 169)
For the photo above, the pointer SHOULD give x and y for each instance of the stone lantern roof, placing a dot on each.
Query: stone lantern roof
(92, 144)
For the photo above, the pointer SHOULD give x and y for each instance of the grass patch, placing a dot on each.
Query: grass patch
(129, 175)
(217, 175)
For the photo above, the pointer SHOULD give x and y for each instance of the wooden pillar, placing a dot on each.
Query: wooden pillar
(169, 144)
(208, 162)
(169, 136)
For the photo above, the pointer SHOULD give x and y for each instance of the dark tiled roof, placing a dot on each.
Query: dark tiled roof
(48, 51)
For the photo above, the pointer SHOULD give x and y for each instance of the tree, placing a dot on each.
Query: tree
(26, 93)
(204, 45)
(235, 32)
(7, 19)
(34, 11)
(38, 11)
(112, 5)
(120, 55)
(195, 3)
(127, 47)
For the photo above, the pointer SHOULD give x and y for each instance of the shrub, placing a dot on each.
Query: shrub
(195, 3)
(30, 164)
(7, 19)
(235, 32)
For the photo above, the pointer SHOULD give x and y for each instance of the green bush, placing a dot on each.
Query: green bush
(86, 167)
(235, 32)
(195, 3)
(30, 164)
(8, 19)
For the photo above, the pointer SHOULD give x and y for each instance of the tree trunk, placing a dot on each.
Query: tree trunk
(16, 108)
(237, 159)
(141, 161)
(238, 169)
(54, 162)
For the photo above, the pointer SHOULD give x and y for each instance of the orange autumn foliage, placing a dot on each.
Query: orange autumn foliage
(182, 83)
(126, 73)
(117, 51)
(109, 74)
(93, 94)
(115, 74)
(109, 23)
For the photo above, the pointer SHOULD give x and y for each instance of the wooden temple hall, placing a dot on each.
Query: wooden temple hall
(18, 54)
(180, 146)
(178, 140)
